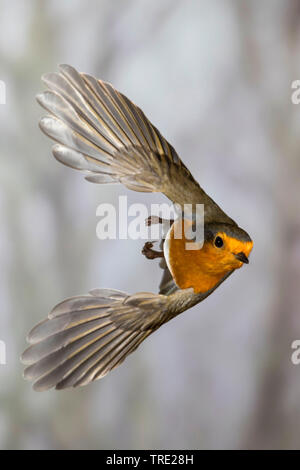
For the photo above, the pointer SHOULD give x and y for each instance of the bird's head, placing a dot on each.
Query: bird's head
(227, 247)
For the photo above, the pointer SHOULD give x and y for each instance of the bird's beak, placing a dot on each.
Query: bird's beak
(242, 257)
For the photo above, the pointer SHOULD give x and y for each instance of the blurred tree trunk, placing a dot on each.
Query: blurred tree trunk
(276, 415)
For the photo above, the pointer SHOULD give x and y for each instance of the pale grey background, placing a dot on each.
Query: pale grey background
(215, 77)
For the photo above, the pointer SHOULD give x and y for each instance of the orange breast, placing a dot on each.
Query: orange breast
(198, 268)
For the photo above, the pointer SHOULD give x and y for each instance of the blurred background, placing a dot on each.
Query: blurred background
(215, 78)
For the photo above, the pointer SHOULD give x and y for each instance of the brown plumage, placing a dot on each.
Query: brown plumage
(101, 132)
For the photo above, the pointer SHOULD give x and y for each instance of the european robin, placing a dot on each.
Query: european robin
(100, 131)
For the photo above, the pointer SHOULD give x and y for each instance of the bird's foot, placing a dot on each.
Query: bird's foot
(150, 253)
(154, 219)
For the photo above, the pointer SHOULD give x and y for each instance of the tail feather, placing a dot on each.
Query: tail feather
(85, 337)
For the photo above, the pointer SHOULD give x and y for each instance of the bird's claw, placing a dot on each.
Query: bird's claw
(150, 253)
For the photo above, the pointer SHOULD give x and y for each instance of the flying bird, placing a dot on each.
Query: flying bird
(98, 130)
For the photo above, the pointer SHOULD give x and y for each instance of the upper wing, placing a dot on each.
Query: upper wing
(100, 131)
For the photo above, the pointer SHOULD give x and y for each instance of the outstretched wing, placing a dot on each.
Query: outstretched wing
(100, 131)
(87, 336)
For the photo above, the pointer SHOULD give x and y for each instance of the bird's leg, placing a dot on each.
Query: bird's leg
(150, 253)
(154, 219)
(147, 250)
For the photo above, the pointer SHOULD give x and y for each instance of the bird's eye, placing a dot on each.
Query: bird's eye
(219, 242)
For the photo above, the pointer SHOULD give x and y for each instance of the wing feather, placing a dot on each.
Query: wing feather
(100, 131)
